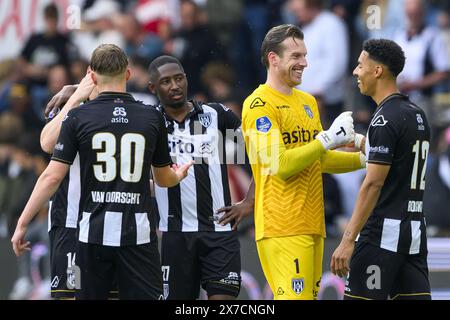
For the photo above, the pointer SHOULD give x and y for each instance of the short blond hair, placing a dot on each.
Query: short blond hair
(109, 60)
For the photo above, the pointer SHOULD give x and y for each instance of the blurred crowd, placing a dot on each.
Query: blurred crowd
(218, 42)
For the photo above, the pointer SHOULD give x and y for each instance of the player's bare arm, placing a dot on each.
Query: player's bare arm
(240, 210)
(365, 203)
(59, 100)
(170, 176)
(45, 187)
(50, 132)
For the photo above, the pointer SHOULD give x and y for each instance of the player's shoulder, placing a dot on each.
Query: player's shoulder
(396, 109)
(75, 112)
(147, 111)
(216, 106)
(260, 97)
(304, 96)
(139, 105)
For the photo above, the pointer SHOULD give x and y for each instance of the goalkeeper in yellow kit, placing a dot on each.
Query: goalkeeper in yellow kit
(289, 151)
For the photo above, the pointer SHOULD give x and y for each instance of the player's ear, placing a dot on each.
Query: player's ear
(379, 70)
(273, 59)
(94, 77)
(128, 74)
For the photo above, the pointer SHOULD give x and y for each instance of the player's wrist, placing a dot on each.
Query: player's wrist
(325, 139)
(348, 236)
(362, 159)
(22, 223)
(77, 100)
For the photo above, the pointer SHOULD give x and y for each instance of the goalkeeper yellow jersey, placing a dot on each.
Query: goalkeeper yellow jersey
(274, 122)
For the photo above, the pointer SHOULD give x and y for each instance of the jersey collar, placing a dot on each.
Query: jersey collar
(393, 96)
(112, 94)
(197, 109)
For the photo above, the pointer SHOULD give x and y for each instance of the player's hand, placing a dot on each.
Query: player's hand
(340, 261)
(360, 143)
(182, 171)
(85, 88)
(235, 212)
(340, 133)
(18, 241)
(58, 101)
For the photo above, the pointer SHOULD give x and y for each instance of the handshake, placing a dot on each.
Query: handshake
(341, 133)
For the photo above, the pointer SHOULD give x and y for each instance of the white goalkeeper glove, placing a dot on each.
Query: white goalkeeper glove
(340, 133)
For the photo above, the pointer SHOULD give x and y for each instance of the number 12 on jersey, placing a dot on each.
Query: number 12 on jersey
(421, 149)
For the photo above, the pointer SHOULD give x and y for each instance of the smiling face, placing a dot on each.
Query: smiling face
(170, 84)
(291, 61)
(366, 74)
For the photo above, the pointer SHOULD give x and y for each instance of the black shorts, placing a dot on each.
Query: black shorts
(62, 257)
(209, 259)
(137, 270)
(376, 273)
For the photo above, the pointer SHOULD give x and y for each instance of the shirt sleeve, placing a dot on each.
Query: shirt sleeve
(231, 120)
(66, 147)
(231, 129)
(161, 157)
(340, 162)
(266, 147)
(383, 136)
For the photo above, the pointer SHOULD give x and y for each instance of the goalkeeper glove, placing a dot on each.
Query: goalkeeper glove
(340, 133)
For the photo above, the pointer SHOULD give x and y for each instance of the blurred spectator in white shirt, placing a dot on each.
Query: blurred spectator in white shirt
(97, 28)
(327, 43)
(427, 61)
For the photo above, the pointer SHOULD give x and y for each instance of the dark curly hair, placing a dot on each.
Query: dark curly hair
(386, 52)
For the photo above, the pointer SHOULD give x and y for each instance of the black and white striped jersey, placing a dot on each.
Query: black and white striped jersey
(64, 205)
(399, 136)
(117, 139)
(190, 206)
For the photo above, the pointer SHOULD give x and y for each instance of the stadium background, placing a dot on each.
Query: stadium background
(218, 42)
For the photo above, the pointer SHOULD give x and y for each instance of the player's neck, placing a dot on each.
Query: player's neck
(384, 90)
(112, 87)
(275, 83)
(179, 114)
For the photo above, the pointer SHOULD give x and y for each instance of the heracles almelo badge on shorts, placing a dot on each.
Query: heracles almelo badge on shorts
(205, 119)
(298, 285)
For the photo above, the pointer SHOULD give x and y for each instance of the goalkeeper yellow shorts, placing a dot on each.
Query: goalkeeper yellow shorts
(292, 265)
